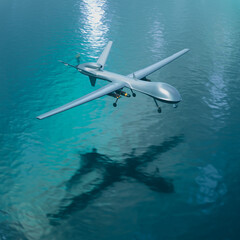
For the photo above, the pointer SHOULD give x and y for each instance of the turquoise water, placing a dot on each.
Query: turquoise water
(98, 172)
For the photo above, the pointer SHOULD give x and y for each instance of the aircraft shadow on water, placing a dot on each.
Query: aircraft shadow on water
(132, 166)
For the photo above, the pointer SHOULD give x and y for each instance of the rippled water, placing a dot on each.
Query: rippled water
(98, 172)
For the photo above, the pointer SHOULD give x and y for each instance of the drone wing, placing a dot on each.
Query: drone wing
(111, 87)
(152, 68)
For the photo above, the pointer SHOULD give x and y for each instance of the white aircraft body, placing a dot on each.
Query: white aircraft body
(136, 81)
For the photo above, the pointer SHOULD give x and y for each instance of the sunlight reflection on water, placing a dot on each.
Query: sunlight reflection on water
(93, 25)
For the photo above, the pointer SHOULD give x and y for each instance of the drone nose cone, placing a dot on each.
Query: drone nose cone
(169, 93)
(164, 92)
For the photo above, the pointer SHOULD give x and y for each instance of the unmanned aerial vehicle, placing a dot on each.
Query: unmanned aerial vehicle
(135, 81)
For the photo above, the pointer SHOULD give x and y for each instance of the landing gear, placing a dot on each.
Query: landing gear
(117, 94)
(175, 105)
(133, 94)
(115, 104)
(159, 108)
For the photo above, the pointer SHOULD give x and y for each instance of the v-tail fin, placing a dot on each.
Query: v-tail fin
(103, 57)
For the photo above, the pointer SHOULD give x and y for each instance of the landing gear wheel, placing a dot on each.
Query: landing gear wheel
(114, 104)
(133, 94)
(159, 108)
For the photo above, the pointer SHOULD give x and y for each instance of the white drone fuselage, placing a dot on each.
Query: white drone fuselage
(159, 90)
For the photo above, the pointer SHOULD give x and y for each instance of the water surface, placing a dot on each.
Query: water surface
(98, 172)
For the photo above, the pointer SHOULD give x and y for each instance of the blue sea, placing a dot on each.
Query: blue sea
(99, 172)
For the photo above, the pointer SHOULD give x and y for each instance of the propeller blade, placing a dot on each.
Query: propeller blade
(78, 58)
